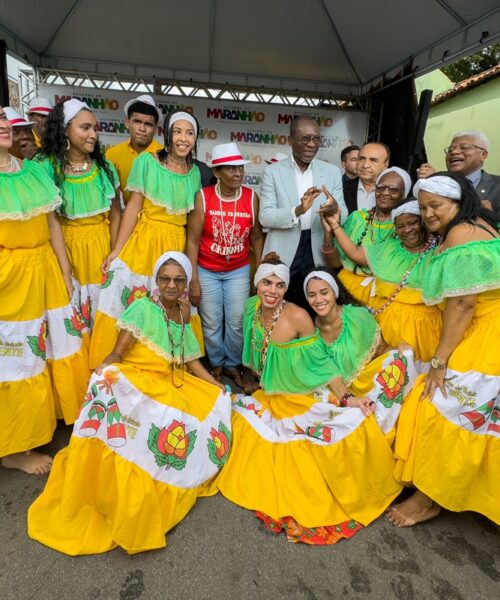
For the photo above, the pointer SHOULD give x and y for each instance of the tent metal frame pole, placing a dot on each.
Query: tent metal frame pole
(190, 89)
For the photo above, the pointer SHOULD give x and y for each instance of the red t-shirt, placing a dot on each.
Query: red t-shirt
(225, 240)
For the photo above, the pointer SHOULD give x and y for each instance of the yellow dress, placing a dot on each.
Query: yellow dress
(450, 448)
(43, 345)
(403, 315)
(363, 231)
(84, 219)
(301, 461)
(142, 450)
(168, 197)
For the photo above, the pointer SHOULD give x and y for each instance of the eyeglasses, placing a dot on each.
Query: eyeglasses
(462, 148)
(178, 281)
(305, 139)
(394, 190)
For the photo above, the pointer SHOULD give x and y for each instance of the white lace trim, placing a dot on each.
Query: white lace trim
(34, 212)
(475, 289)
(367, 358)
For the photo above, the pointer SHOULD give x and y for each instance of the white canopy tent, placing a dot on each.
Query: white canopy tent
(316, 46)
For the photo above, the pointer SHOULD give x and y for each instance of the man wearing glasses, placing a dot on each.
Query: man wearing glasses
(466, 155)
(291, 195)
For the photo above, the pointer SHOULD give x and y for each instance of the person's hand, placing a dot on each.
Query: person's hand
(333, 220)
(68, 283)
(403, 347)
(366, 405)
(99, 369)
(324, 223)
(330, 206)
(307, 200)
(435, 379)
(425, 170)
(107, 261)
(195, 292)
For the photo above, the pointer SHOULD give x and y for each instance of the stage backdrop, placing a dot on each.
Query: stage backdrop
(260, 130)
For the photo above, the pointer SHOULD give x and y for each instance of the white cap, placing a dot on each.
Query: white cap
(40, 106)
(147, 99)
(15, 118)
(227, 154)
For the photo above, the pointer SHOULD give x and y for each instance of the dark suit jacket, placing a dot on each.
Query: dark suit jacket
(489, 189)
(207, 177)
(351, 194)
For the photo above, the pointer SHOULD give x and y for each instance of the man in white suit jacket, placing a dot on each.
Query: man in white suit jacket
(290, 198)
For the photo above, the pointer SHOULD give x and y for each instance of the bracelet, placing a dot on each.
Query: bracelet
(345, 398)
(338, 227)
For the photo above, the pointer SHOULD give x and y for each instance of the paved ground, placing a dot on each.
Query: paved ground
(221, 551)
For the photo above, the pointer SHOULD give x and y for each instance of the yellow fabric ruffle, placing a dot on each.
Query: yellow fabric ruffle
(28, 414)
(352, 283)
(87, 244)
(315, 484)
(97, 500)
(456, 468)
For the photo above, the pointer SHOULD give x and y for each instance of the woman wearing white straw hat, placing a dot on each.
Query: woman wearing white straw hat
(221, 228)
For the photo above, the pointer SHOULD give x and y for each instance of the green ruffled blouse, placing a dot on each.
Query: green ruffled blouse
(390, 260)
(470, 268)
(146, 322)
(27, 193)
(84, 194)
(173, 191)
(379, 231)
(356, 344)
(296, 367)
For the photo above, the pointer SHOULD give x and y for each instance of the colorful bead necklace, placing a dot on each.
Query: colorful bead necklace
(267, 332)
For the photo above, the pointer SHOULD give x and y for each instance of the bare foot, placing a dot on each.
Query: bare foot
(417, 509)
(33, 463)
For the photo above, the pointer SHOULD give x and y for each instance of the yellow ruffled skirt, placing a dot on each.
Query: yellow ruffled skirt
(130, 278)
(140, 455)
(450, 448)
(361, 287)
(43, 346)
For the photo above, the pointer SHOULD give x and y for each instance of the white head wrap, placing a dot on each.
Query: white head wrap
(408, 208)
(402, 173)
(440, 185)
(266, 270)
(72, 108)
(324, 276)
(184, 116)
(179, 257)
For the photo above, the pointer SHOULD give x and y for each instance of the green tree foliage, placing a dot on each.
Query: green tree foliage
(472, 65)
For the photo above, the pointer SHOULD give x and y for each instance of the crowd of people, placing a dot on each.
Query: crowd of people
(356, 314)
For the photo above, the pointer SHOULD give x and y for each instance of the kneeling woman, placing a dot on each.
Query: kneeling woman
(291, 459)
(150, 437)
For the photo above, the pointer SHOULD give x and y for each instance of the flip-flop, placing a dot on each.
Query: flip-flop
(237, 374)
(217, 372)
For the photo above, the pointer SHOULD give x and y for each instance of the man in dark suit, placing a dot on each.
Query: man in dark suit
(359, 193)
(466, 155)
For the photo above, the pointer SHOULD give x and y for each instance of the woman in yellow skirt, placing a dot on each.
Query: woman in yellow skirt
(301, 458)
(367, 367)
(163, 188)
(366, 228)
(43, 355)
(398, 265)
(90, 212)
(448, 435)
(150, 439)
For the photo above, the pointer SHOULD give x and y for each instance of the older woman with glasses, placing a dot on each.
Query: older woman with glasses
(221, 228)
(366, 228)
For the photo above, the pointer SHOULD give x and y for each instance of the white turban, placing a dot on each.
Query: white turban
(180, 258)
(266, 270)
(324, 276)
(402, 173)
(408, 208)
(184, 116)
(440, 185)
(72, 108)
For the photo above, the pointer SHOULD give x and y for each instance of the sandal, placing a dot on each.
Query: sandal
(238, 375)
(217, 373)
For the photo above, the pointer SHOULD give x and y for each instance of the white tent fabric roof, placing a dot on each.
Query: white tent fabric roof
(309, 45)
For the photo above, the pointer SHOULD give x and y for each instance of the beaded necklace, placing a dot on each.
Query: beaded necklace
(267, 332)
(173, 346)
(369, 226)
(406, 275)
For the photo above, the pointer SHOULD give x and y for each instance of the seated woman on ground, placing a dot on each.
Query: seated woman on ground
(296, 456)
(150, 439)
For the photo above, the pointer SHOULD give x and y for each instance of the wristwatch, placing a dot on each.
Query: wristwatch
(435, 364)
